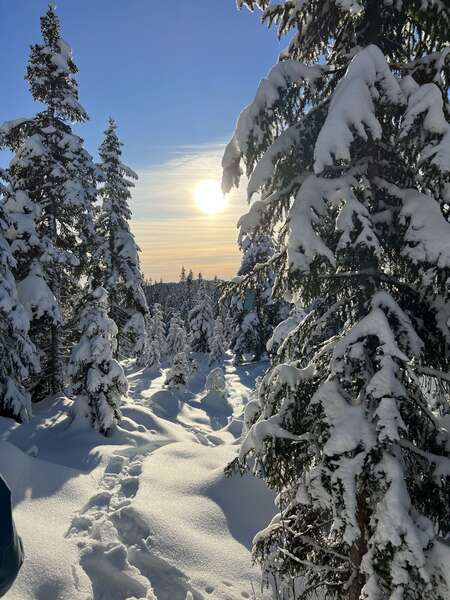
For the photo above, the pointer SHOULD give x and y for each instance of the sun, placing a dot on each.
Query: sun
(209, 197)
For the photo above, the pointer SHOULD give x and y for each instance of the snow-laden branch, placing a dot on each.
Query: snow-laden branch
(311, 565)
(281, 76)
(442, 463)
(433, 373)
(352, 106)
(427, 100)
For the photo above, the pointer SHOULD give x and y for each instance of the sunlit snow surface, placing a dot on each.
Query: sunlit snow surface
(146, 513)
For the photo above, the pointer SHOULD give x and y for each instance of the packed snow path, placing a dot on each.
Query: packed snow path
(145, 514)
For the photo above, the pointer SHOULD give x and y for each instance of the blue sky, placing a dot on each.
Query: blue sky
(174, 74)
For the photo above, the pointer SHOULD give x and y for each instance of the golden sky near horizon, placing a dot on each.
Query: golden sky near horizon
(172, 230)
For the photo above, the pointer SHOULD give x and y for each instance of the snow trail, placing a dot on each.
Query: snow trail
(98, 527)
(151, 515)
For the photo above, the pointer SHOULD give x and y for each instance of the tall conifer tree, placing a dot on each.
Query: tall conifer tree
(18, 357)
(250, 302)
(118, 255)
(348, 143)
(50, 194)
(201, 321)
(95, 376)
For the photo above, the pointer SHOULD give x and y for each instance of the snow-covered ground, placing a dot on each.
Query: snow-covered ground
(146, 513)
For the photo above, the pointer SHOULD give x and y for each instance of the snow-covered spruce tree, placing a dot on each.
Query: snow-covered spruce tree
(216, 293)
(215, 381)
(201, 321)
(249, 298)
(215, 401)
(95, 376)
(135, 332)
(216, 344)
(228, 325)
(348, 143)
(118, 254)
(152, 357)
(18, 357)
(177, 336)
(186, 294)
(177, 376)
(51, 189)
(157, 329)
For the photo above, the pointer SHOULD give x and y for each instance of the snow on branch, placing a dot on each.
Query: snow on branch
(427, 231)
(268, 94)
(427, 100)
(128, 172)
(9, 127)
(248, 126)
(304, 242)
(405, 329)
(352, 106)
(263, 170)
(265, 429)
(433, 63)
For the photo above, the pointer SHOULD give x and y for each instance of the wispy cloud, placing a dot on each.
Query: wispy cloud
(169, 227)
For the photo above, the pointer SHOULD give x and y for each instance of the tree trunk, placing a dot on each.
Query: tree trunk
(359, 549)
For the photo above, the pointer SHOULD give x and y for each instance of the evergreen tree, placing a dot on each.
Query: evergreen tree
(216, 344)
(95, 376)
(215, 382)
(178, 375)
(118, 254)
(348, 143)
(177, 336)
(152, 355)
(188, 296)
(135, 331)
(142, 324)
(183, 275)
(228, 329)
(157, 333)
(51, 189)
(254, 310)
(201, 321)
(216, 293)
(156, 344)
(215, 401)
(18, 357)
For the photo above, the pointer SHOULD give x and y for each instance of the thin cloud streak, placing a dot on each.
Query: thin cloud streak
(170, 229)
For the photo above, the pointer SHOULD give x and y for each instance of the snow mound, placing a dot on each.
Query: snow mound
(207, 535)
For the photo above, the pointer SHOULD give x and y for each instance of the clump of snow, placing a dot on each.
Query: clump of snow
(36, 297)
(352, 106)
(427, 232)
(215, 402)
(427, 100)
(215, 381)
(283, 329)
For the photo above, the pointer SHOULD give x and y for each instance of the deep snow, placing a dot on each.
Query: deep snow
(146, 513)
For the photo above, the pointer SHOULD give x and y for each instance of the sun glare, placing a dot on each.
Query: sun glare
(209, 197)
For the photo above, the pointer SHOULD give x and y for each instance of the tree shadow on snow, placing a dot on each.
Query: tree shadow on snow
(249, 372)
(217, 408)
(58, 444)
(140, 380)
(247, 503)
(166, 404)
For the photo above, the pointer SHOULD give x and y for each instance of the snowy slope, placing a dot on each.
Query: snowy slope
(146, 513)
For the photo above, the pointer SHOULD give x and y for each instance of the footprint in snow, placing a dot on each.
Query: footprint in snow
(106, 527)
